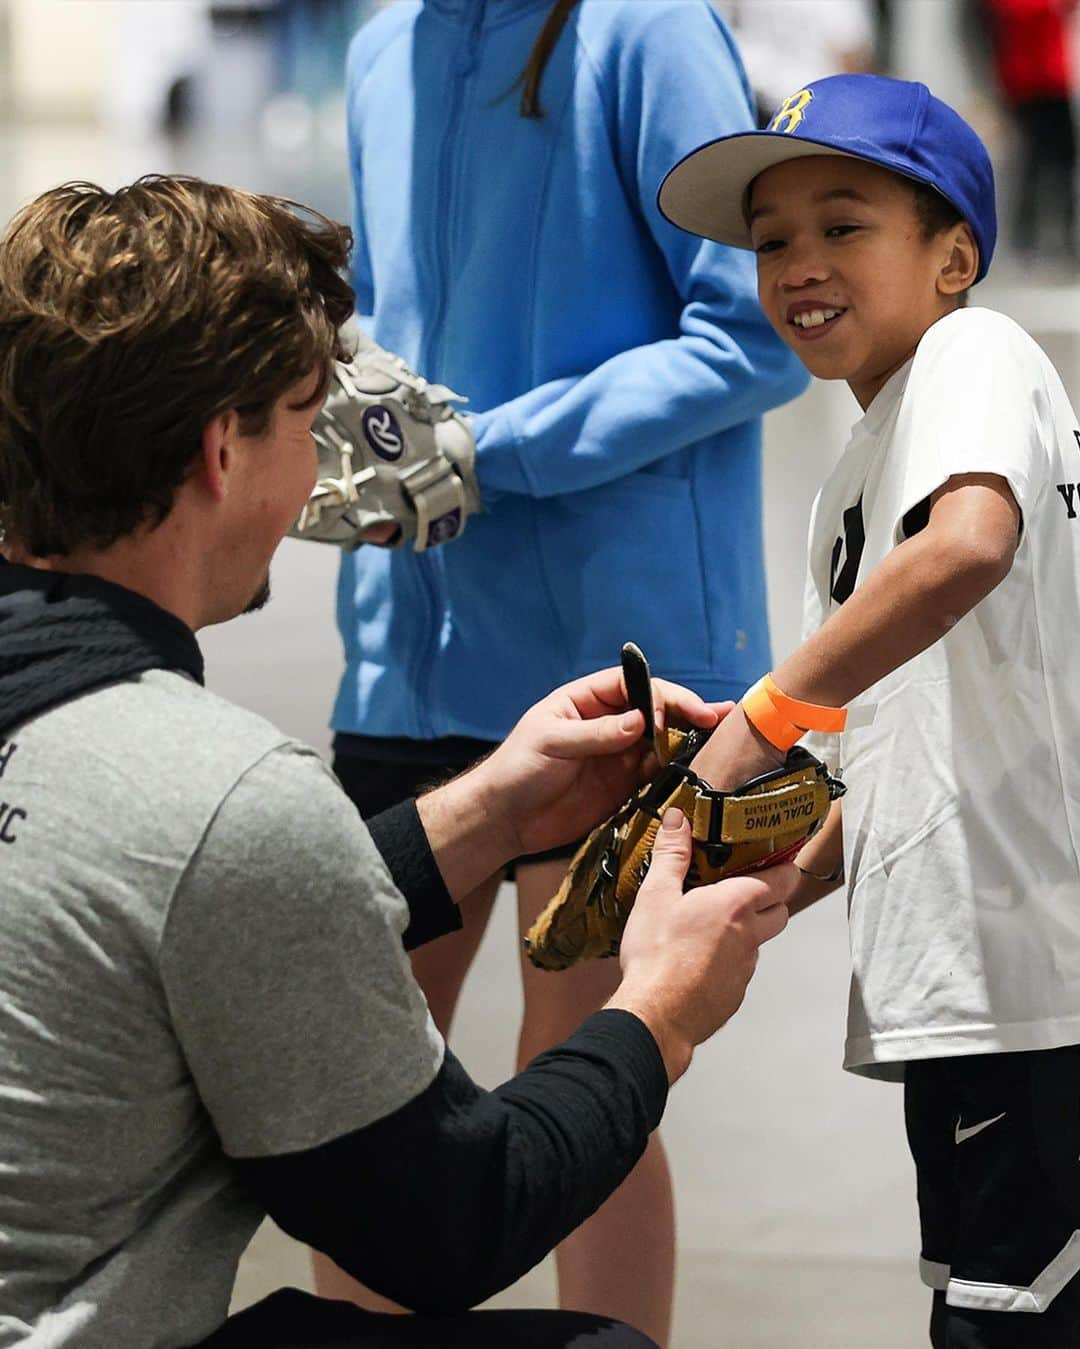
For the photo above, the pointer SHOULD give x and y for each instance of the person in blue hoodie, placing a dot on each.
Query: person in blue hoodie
(508, 244)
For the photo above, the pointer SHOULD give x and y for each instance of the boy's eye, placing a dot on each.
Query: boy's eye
(769, 246)
(837, 231)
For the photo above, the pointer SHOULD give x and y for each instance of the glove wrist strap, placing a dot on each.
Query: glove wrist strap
(436, 494)
(783, 721)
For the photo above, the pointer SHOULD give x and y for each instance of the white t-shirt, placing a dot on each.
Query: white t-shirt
(962, 816)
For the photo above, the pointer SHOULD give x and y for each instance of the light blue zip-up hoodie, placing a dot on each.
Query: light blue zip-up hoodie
(617, 368)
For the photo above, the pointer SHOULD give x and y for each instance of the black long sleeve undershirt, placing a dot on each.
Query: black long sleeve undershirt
(462, 1190)
(458, 1193)
(399, 836)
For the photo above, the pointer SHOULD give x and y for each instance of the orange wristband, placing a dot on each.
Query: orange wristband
(761, 712)
(810, 716)
(782, 720)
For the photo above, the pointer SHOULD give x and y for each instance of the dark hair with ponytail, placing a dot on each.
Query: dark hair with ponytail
(538, 58)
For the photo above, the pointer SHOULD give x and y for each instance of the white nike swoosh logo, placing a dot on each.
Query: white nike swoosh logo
(962, 1135)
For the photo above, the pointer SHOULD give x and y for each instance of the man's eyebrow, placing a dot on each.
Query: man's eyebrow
(832, 194)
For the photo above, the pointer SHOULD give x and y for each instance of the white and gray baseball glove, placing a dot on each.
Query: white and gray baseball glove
(393, 451)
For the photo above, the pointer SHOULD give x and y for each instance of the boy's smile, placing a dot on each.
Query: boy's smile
(846, 275)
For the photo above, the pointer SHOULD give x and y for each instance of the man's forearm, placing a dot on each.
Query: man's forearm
(465, 832)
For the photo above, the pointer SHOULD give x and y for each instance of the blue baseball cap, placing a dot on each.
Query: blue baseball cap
(895, 123)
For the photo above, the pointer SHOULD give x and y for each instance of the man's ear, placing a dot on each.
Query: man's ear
(961, 260)
(217, 457)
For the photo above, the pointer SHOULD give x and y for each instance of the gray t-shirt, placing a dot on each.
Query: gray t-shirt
(200, 955)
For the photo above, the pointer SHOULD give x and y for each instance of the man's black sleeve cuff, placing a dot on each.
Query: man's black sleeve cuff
(400, 838)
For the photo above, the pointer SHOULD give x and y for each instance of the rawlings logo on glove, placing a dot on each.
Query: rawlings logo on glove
(393, 451)
(759, 824)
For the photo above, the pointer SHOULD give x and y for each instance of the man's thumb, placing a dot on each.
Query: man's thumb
(671, 847)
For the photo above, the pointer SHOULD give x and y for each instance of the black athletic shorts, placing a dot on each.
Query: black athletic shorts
(378, 772)
(290, 1319)
(996, 1143)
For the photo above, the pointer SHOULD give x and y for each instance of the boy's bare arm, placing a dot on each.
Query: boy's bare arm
(820, 862)
(909, 601)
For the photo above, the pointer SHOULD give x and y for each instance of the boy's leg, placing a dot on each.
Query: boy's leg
(996, 1142)
(290, 1319)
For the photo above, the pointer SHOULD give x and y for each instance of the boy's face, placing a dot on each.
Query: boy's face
(840, 238)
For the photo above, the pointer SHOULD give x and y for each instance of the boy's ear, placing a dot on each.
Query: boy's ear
(960, 265)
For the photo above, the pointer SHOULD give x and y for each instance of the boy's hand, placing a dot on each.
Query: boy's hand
(736, 752)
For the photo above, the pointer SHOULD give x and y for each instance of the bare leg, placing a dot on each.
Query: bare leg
(440, 968)
(621, 1263)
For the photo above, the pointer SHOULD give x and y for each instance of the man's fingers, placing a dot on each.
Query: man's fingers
(778, 885)
(595, 694)
(670, 851)
(769, 923)
(673, 702)
(759, 891)
(602, 692)
(568, 738)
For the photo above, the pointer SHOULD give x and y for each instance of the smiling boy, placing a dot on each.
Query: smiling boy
(942, 611)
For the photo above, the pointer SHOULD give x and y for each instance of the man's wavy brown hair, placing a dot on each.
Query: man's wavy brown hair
(128, 321)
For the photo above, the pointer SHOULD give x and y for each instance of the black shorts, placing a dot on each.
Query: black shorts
(378, 772)
(289, 1319)
(996, 1143)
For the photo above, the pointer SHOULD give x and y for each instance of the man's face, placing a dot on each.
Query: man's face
(277, 471)
(844, 273)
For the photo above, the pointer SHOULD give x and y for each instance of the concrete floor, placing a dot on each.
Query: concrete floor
(794, 1188)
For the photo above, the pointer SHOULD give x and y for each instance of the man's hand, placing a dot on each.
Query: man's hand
(687, 958)
(568, 763)
(576, 756)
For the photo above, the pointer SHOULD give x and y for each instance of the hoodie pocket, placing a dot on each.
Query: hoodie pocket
(624, 563)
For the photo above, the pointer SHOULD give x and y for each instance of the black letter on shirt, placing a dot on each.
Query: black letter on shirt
(1068, 492)
(850, 547)
(8, 816)
(5, 755)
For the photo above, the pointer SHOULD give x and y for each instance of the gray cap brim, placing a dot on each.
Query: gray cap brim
(705, 193)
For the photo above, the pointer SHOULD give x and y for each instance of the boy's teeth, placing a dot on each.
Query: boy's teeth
(814, 318)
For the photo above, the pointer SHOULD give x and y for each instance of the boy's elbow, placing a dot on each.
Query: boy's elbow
(987, 556)
(968, 570)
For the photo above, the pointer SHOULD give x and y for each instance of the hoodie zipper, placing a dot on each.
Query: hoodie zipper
(429, 569)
